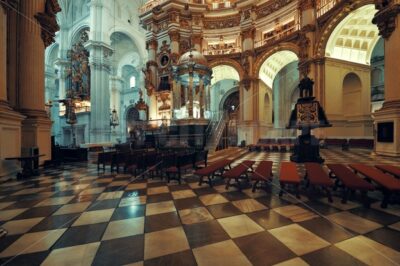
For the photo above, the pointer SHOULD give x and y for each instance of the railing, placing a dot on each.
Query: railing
(218, 129)
(150, 5)
(323, 6)
(222, 51)
(278, 35)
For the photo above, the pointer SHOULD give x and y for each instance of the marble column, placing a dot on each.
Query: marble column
(36, 32)
(10, 121)
(388, 21)
(116, 90)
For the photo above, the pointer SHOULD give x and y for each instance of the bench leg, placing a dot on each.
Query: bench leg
(328, 193)
(365, 198)
(281, 191)
(255, 186)
(210, 183)
(200, 180)
(298, 191)
(345, 195)
(228, 184)
(386, 198)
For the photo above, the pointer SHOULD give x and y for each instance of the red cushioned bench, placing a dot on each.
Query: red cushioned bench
(263, 173)
(349, 181)
(212, 170)
(388, 184)
(389, 169)
(238, 172)
(289, 176)
(316, 176)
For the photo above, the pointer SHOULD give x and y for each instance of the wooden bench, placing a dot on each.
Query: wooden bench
(388, 184)
(317, 177)
(289, 176)
(389, 169)
(361, 143)
(263, 173)
(349, 181)
(183, 162)
(105, 158)
(336, 142)
(238, 172)
(212, 170)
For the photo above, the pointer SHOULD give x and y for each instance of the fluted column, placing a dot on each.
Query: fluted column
(388, 21)
(99, 91)
(10, 121)
(36, 32)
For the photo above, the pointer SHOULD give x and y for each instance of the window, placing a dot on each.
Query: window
(132, 82)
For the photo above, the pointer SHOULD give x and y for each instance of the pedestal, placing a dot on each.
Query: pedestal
(387, 119)
(306, 149)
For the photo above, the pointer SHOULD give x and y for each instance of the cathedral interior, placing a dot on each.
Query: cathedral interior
(199, 132)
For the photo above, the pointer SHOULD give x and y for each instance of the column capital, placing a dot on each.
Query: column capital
(386, 16)
(174, 35)
(48, 21)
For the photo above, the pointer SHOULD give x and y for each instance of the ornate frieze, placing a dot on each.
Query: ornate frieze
(48, 21)
(271, 7)
(221, 23)
(385, 18)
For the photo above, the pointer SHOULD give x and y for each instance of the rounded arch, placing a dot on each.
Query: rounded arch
(222, 72)
(280, 47)
(335, 20)
(131, 33)
(274, 64)
(351, 94)
(354, 38)
(51, 53)
(228, 62)
(130, 59)
(226, 96)
(76, 31)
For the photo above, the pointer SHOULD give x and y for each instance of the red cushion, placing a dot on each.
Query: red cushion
(387, 181)
(393, 170)
(212, 167)
(348, 178)
(238, 170)
(288, 173)
(263, 171)
(317, 175)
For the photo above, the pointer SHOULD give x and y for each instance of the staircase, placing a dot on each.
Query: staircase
(216, 133)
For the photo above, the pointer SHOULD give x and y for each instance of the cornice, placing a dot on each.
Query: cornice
(386, 16)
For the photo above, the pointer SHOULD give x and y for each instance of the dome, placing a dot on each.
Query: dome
(192, 56)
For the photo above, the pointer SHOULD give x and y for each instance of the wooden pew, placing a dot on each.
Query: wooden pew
(212, 170)
(263, 173)
(316, 176)
(389, 169)
(388, 184)
(349, 181)
(238, 172)
(289, 176)
(183, 162)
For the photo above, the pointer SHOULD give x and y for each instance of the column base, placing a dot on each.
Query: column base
(10, 139)
(36, 132)
(390, 112)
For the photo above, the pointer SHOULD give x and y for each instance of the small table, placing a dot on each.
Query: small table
(26, 164)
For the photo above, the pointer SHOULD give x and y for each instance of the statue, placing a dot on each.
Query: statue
(306, 85)
(147, 81)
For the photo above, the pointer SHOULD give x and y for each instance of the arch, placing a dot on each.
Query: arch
(350, 44)
(130, 59)
(51, 53)
(286, 46)
(351, 94)
(274, 64)
(331, 24)
(131, 33)
(226, 95)
(228, 62)
(76, 30)
(221, 72)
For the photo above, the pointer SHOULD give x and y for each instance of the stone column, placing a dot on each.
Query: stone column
(36, 32)
(10, 121)
(152, 83)
(388, 21)
(99, 91)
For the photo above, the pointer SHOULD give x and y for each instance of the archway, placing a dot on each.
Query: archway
(354, 56)
(279, 78)
(230, 107)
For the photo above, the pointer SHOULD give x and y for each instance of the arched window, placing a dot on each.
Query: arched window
(132, 82)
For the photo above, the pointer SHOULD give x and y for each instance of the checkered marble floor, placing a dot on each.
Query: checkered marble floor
(79, 216)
